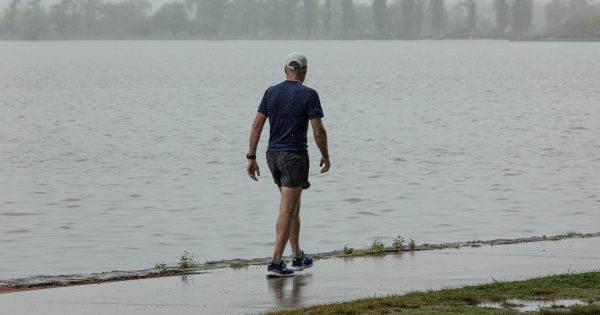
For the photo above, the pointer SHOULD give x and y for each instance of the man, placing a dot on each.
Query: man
(289, 107)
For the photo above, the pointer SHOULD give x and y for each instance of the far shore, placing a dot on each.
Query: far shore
(300, 38)
(557, 39)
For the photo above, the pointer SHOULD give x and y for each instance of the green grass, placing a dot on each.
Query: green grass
(576, 310)
(584, 286)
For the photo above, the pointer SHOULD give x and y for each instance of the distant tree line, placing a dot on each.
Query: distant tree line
(575, 18)
(345, 19)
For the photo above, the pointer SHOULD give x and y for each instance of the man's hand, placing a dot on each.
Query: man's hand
(252, 169)
(325, 164)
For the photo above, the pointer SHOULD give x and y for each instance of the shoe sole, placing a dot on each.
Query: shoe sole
(301, 268)
(273, 274)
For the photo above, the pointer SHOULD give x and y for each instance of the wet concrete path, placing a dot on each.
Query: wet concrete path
(228, 291)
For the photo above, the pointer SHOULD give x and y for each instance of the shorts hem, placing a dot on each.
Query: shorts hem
(304, 186)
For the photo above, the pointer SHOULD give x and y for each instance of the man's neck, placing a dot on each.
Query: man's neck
(290, 78)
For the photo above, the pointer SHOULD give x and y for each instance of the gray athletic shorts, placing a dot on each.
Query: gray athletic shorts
(289, 169)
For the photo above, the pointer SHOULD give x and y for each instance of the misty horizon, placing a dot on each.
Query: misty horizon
(340, 19)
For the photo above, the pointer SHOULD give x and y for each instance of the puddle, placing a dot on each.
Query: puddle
(531, 305)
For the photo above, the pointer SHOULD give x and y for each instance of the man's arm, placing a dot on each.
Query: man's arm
(257, 127)
(321, 139)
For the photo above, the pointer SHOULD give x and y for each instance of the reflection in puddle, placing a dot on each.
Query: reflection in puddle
(531, 305)
(289, 297)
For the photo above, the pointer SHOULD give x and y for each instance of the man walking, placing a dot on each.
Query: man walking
(289, 107)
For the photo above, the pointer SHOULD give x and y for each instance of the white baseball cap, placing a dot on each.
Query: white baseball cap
(298, 58)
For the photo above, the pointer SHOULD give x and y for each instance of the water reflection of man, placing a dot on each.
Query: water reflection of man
(289, 299)
(289, 106)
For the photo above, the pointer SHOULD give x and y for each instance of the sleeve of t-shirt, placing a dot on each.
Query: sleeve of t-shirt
(314, 106)
(262, 108)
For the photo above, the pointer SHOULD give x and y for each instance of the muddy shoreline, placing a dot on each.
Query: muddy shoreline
(46, 282)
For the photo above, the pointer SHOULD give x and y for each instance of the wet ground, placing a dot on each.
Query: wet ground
(533, 306)
(228, 291)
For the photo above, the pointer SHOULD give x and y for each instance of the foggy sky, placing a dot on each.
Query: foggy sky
(156, 4)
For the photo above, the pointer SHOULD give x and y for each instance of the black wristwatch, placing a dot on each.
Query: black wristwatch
(250, 157)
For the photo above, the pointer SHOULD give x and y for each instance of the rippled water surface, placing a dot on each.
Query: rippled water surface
(119, 155)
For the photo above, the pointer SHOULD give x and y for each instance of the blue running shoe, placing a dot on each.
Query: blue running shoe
(301, 263)
(279, 270)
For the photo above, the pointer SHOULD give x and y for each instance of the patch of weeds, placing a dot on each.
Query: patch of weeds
(412, 246)
(348, 250)
(186, 261)
(377, 247)
(432, 246)
(398, 243)
(162, 267)
(239, 264)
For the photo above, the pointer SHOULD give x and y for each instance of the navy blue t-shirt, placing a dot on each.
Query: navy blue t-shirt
(289, 106)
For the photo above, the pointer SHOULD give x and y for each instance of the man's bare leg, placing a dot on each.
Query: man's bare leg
(295, 232)
(287, 212)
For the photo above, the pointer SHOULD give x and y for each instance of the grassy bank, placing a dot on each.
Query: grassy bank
(584, 287)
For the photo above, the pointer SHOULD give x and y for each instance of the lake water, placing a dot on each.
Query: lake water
(119, 155)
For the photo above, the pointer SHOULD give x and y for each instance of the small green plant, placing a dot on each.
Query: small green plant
(186, 261)
(412, 246)
(398, 243)
(348, 250)
(377, 247)
(162, 267)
